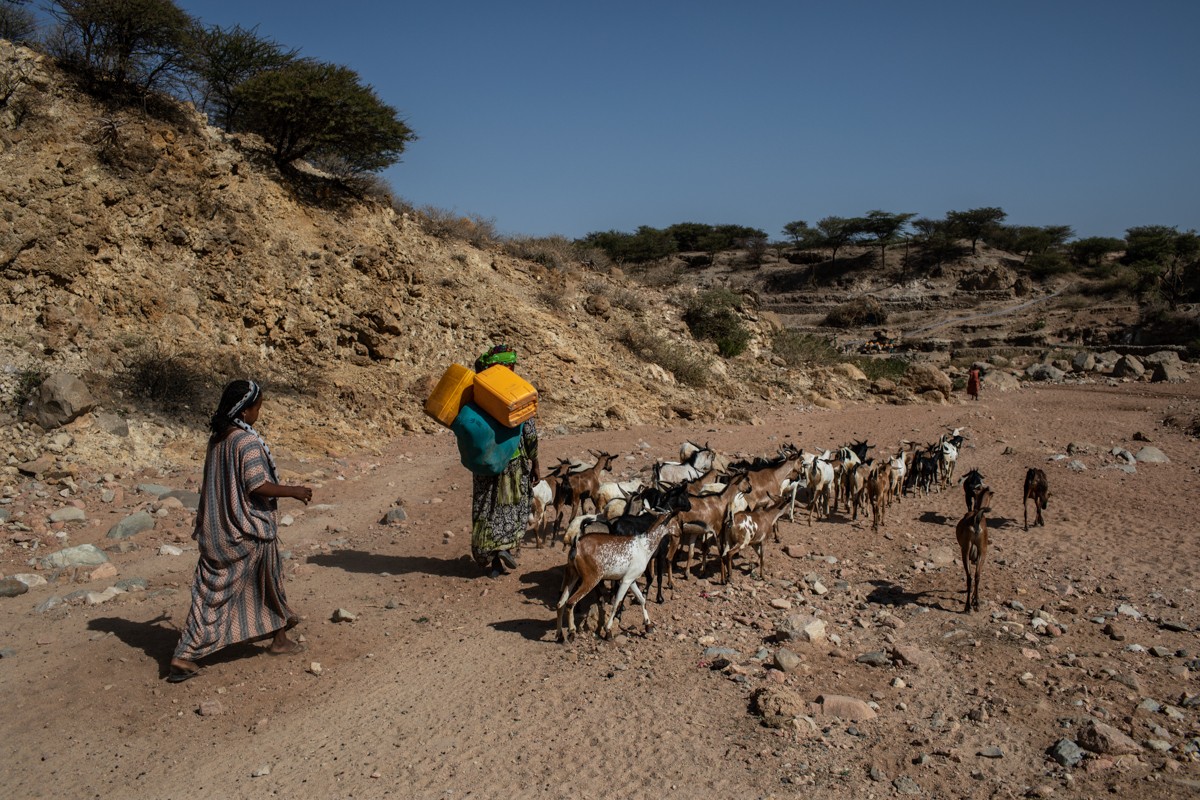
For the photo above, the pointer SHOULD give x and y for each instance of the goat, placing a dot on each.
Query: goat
(1037, 490)
(697, 463)
(749, 529)
(544, 494)
(971, 483)
(924, 472)
(820, 482)
(855, 486)
(972, 533)
(879, 492)
(584, 484)
(704, 520)
(598, 556)
(843, 460)
(947, 459)
(899, 466)
(769, 477)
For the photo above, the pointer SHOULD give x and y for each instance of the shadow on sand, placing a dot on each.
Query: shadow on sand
(376, 563)
(158, 637)
(887, 593)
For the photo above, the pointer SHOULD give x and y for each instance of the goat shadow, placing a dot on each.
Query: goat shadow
(158, 640)
(375, 563)
(887, 593)
(933, 518)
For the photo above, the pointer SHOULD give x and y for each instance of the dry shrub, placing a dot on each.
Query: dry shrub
(552, 252)
(801, 349)
(173, 382)
(857, 313)
(443, 224)
(628, 300)
(688, 368)
(554, 299)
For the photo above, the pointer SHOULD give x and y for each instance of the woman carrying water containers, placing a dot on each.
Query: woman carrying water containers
(491, 412)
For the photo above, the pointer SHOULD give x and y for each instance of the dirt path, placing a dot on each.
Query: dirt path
(999, 312)
(449, 685)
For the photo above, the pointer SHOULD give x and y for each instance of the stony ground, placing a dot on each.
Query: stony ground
(1075, 679)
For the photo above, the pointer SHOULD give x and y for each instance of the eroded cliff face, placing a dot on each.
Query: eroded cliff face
(131, 242)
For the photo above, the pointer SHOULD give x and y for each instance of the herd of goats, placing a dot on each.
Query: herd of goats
(705, 500)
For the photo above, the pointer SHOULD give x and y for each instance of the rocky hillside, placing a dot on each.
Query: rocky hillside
(154, 258)
(158, 259)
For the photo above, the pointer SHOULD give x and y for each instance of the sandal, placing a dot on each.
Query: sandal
(506, 558)
(177, 675)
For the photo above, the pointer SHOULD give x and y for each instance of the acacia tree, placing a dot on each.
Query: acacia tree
(884, 228)
(937, 240)
(141, 44)
(1090, 252)
(837, 232)
(321, 112)
(17, 23)
(975, 223)
(223, 59)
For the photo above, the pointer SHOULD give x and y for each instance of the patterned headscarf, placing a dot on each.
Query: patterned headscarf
(500, 354)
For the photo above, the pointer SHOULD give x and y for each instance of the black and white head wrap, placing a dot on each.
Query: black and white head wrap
(249, 399)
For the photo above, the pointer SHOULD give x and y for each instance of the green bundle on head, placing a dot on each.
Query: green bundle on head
(500, 354)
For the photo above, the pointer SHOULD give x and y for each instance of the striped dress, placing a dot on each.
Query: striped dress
(238, 591)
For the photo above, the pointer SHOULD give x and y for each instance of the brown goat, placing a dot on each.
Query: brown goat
(584, 484)
(879, 492)
(1037, 490)
(972, 533)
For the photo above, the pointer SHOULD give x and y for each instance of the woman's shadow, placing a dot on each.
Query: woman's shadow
(158, 637)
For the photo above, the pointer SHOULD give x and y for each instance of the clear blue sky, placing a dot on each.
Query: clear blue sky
(559, 117)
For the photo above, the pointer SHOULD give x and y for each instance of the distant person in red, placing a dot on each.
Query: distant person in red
(974, 379)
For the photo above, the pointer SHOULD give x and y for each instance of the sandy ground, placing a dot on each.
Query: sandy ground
(448, 684)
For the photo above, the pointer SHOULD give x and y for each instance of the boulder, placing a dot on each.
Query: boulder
(1128, 367)
(84, 555)
(851, 371)
(1001, 381)
(1169, 372)
(1044, 372)
(922, 378)
(60, 399)
(1083, 362)
(1162, 357)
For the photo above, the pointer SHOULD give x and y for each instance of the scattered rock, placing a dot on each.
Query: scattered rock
(342, 615)
(1128, 367)
(1106, 740)
(875, 658)
(211, 708)
(84, 555)
(394, 516)
(843, 707)
(132, 525)
(913, 656)
(60, 399)
(1151, 455)
(11, 587)
(1066, 753)
(786, 660)
(68, 514)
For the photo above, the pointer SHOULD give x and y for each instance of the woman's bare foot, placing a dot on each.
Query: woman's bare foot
(281, 645)
(183, 665)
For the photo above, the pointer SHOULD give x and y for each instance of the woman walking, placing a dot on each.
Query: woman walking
(237, 594)
(501, 504)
